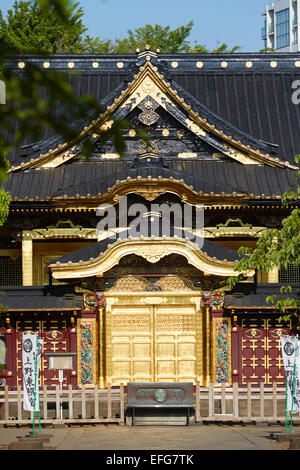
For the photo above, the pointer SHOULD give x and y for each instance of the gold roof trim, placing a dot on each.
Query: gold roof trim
(151, 188)
(256, 307)
(150, 248)
(148, 81)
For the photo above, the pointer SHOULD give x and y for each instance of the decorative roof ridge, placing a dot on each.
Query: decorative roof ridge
(105, 121)
(235, 55)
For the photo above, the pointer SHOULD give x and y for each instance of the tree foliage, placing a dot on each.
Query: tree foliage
(40, 26)
(30, 29)
(220, 49)
(157, 37)
(278, 249)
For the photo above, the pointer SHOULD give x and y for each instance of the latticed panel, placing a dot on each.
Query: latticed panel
(261, 350)
(290, 275)
(10, 271)
(175, 345)
(132, 345)
(56, 340)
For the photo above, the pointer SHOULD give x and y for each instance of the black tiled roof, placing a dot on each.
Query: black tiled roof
(96, 177)
(40, 297)
(256, 100)
(255, 295)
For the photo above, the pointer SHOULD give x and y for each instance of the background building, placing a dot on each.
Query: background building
(280, 31)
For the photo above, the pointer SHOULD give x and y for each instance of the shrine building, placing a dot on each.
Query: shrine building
(139, 299)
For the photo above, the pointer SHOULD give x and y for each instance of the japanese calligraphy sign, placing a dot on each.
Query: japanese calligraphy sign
(291, 361)
(31, 355)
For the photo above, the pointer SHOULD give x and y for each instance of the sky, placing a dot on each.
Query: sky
(236, 22)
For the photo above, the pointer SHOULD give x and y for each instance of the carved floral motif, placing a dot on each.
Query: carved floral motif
(87, 356)
(222, 351)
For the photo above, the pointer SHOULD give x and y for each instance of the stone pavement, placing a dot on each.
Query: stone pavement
(114, 437)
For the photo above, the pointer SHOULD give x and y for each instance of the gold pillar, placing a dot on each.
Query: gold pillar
(101, 354)
(273, 276)
(108, 339)
(199, 345)
(27, 259)
(207, 334)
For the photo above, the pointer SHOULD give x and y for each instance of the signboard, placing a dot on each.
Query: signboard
(60, 361)
(31, 355)
(291, 361)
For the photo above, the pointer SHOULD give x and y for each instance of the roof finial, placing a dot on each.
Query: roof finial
(147, 53)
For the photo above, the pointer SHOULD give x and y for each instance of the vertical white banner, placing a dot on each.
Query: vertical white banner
(31, 356)
(291, 362)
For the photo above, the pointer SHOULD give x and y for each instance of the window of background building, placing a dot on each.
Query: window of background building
(10, 271)
(291, 274)
(283, 28)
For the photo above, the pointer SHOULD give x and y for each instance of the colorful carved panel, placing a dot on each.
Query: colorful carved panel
(261, 349)
(87, 352)
(221, 350)
(94, 300)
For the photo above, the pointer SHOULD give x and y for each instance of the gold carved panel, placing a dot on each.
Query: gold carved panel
(153, 342)
(131, 348)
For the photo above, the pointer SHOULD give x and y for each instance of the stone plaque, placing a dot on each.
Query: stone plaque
(145, 395)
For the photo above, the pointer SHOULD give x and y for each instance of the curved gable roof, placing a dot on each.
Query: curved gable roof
(247, 99)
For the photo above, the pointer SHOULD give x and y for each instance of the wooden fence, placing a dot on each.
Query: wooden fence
(251, 403)
(85, 405)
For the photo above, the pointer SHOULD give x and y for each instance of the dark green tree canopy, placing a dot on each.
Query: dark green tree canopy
(278, 249)
(30, 30)
(157, 37)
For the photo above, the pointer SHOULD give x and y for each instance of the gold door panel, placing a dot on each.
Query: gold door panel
(132, 345)
(156, 342)
(175, 343)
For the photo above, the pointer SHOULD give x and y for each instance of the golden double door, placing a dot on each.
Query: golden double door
(153, 338)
